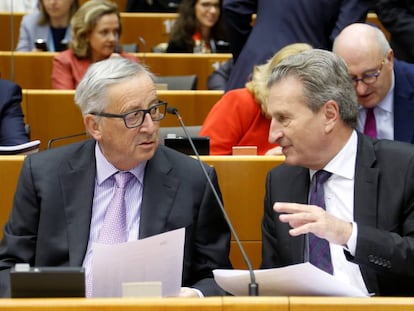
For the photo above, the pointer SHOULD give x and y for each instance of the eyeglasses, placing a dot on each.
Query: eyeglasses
(209, 5)
(136, 118)
(369, 78)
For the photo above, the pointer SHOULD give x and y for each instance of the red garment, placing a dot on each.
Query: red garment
(68, 69)
(236, 120)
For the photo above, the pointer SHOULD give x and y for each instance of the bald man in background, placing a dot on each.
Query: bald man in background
(382, 82)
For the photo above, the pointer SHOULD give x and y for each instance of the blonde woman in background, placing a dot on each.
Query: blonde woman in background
(240, 117)
(96, 28)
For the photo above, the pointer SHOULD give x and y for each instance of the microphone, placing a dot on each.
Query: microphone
(51, 141)
(253, 286)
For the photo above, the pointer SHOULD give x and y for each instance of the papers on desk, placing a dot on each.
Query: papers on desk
(26, 148)
(295, 280)
(157, 258)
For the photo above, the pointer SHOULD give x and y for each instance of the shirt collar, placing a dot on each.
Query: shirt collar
(104, 169)
(343, 164)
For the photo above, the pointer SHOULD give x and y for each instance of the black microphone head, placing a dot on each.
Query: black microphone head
(172, 110)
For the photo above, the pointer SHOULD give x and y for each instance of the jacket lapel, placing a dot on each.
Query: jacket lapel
(158, 195)
(77, 180)
(366, 181)
(403, 106)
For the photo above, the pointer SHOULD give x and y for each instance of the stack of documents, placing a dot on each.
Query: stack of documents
(295, 280)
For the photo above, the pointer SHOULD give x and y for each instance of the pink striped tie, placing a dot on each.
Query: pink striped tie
(114, 228)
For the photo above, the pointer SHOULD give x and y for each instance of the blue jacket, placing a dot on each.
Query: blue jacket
(282, 22)
(404, 101)
(12, 131)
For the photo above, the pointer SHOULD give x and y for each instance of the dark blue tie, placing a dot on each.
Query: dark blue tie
(319, 252)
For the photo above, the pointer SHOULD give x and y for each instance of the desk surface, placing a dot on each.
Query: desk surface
(213, 304)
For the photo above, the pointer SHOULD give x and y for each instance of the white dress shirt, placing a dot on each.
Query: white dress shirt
(339, 201)
(384, 116)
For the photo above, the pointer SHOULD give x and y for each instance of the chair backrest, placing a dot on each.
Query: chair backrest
(178, 131)
(185, 82)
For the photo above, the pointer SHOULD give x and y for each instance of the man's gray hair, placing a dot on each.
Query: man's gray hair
(325, 77)
(91, 92)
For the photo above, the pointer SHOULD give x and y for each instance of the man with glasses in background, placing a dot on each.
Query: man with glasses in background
(65, 195)
(384, 85)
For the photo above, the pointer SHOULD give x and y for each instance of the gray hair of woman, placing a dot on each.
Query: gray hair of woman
(91, 93)
(325, 77)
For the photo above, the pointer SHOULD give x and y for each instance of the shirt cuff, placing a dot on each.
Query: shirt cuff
(351, 244)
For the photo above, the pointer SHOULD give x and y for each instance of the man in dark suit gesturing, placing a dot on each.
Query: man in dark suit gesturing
(63, 194)
(369, 197)
(12, 131)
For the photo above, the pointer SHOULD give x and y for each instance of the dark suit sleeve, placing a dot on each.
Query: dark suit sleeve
(397, 16)
(385, 245)
(12, 131)
(19, 234)
(211, 242)
(238, 16)
(351, 11)
(270, 258)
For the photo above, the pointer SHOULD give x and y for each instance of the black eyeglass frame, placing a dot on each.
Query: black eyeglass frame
(374, 76)
(145, 111)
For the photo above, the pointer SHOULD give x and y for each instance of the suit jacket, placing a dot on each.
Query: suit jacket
(30, 31)
(50, 221)
(282, 22)
(397, 16)
(404, 101)
(12, 131)
(383, 210)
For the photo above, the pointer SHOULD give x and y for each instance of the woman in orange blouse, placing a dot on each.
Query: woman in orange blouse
(240, 117)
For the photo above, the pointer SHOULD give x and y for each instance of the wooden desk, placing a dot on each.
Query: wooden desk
(53, 113)
(33, 70)
(212, 304)
(10, 167)
(154, 28)
(121, 4)
(242, 182)
(154, 304)
(350, 304)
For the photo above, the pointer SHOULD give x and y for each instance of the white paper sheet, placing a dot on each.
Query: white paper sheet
(157, 258)
(295, 280)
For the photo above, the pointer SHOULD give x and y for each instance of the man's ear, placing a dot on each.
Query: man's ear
(331, 113)
(92, 126)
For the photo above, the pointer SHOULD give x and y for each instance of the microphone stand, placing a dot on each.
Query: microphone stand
(51, 141)
(253, 286)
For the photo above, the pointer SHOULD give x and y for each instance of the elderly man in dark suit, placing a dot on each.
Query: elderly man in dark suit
(12, 129)
(342, 201)
(383, 84)
(63, 197)
(282, 22)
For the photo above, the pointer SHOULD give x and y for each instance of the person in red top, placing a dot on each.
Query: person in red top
(240, 117)
(96, 28)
